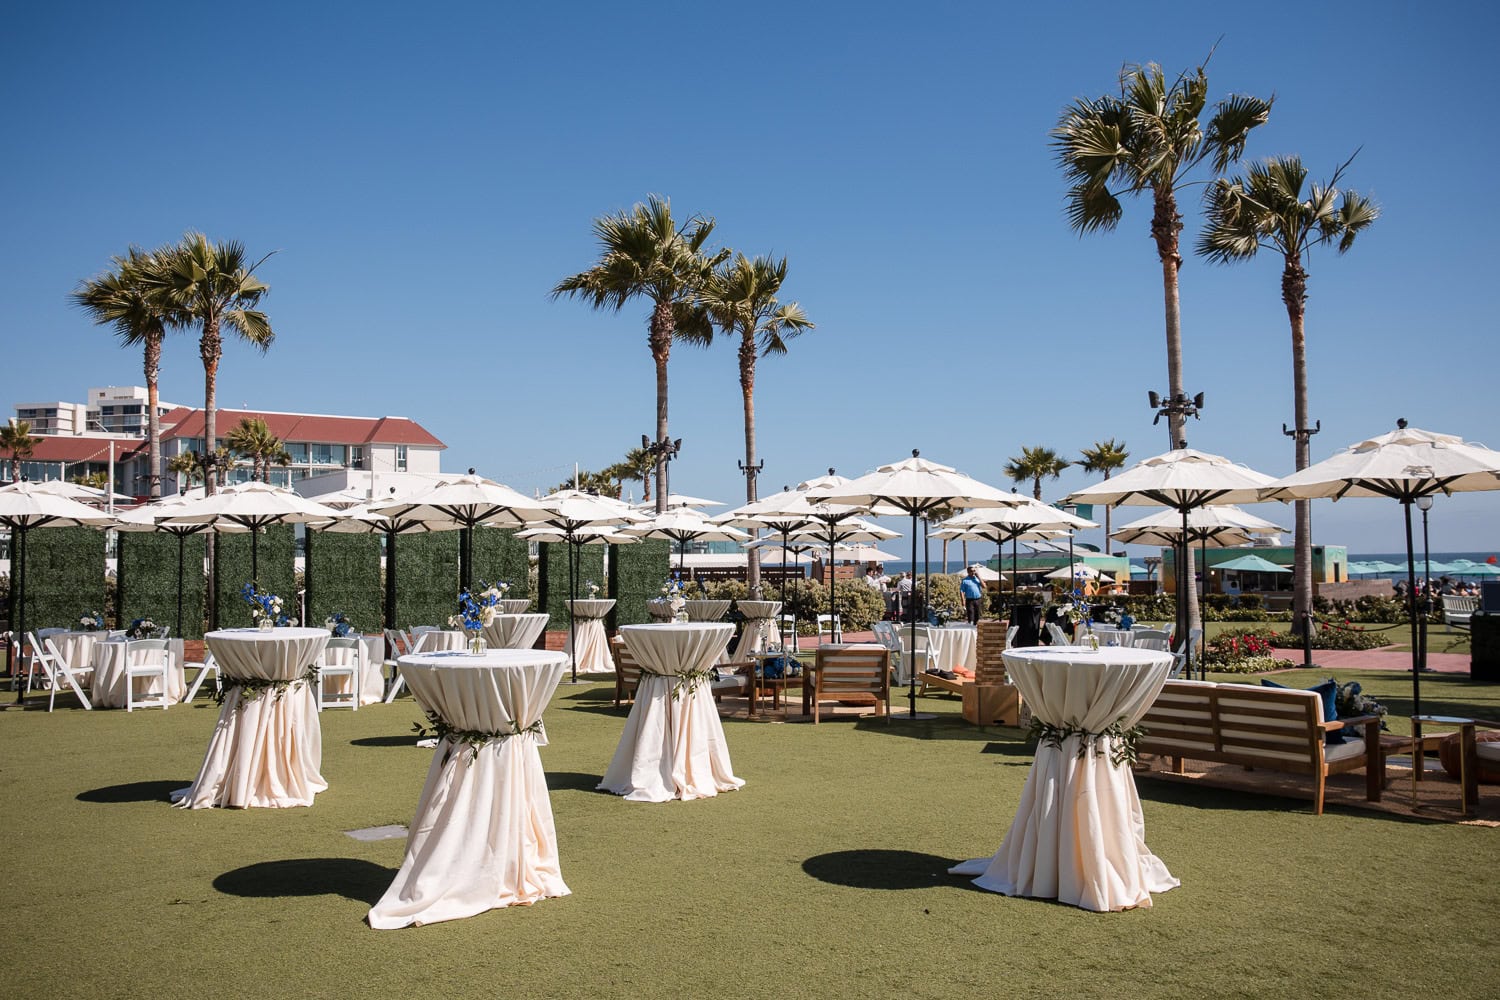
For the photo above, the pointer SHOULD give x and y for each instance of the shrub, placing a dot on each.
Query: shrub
(1254, 665)
(857, 605)
(1232, 646)
(947, 601)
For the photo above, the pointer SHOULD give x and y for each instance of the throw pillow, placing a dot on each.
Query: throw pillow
(1329, 692)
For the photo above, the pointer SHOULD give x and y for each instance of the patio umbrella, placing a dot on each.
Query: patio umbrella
(24, 508)
(676, 500)
(1183, 479)
(252, 506)
(1220, 526)
(80, 492)
(1078, 571)
(1025, 519)
(580, 519)
(684, 525)
(467, 502)
(863, 553)
(145, 519)
(844, 531)
(917, 487)
(363, 519)
(1404, 465)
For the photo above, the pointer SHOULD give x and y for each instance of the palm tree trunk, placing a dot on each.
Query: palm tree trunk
(153, 421)
(747, 389)
(210, 348)
(661, 350)
(1294, 295)
(1106, 521)
(1036, 488)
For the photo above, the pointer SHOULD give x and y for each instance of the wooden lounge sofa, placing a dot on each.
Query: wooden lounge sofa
(1275, 729)
(734, 678)
(841, 671)
(1458, 609)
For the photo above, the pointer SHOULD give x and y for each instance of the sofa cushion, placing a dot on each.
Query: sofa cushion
(1343, 751)
(1328, 693)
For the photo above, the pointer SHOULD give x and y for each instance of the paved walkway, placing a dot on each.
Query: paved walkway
(1378, 659)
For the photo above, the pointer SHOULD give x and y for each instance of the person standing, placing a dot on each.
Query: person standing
(973, 590)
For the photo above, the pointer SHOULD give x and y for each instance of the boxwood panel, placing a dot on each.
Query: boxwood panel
(146, 573)
(636, 575)
(552, 578)
(275, 554)
(426, 578)
(343, 574)
(500, 555)
(64, 576)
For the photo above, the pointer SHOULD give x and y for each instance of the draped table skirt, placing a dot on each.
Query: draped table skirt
(592, 644)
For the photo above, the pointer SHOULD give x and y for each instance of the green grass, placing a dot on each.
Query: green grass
(824, 875)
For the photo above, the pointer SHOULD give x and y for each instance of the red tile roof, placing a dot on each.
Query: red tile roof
(187, 422)
(79, 449)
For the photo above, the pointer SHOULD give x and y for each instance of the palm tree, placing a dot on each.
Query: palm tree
(741, 299)
(645, 253)
(186, 466)
(1268, 208)
(1036, 464)
(602, 482)
(15, 438)
(253, 439)
(636, 466)
(1149, 138)
(1105, 457)
(213, 285)
(121, 297)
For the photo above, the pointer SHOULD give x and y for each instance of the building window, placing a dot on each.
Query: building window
(356, 456)
(400, 458)
(326, 454)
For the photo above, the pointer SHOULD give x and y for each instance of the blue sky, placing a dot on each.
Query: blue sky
(428, 174)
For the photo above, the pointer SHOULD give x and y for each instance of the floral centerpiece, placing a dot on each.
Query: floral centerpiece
(140, 628)
(265, 608)
(592, 588)
(340, 626)
(670, 605)
(475, 611)
(90, 621)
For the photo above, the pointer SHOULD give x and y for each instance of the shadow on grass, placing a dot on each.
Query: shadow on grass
(409, 740)
(573, 781)
(944, 727)
(1197, 793)
(885, 869)
(591, 694)
(351, 878)
(135, 791)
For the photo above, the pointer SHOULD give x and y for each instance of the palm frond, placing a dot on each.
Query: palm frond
(1092, 208)
(1230, 127)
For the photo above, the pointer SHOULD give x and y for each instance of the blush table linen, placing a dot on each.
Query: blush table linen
(1078, 835)
(759, 626)
(109, 661)
(514, 631)
(673, 744)
(483, 836)
(592, 644)
(956, 646)
(266, 751)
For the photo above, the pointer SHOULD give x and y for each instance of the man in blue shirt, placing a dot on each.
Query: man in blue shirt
(973, 590)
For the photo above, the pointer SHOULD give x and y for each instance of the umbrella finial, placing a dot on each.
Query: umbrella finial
(471, 470)
(915, 453)
(1401, 423)
(830, 470)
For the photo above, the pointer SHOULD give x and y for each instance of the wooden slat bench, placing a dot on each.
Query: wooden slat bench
(1277, 729)
(841, 671)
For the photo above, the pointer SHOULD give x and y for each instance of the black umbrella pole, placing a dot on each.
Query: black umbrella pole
(390, 581)
(1411, 596)
(573, 596)
(18, 608)
(181, 540)
(911, 668)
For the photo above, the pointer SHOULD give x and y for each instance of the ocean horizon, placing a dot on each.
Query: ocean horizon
(956, 564)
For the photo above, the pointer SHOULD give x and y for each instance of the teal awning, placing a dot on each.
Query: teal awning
(1251, 564)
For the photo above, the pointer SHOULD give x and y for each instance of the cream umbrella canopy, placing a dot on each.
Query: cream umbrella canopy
(1026, 519)
(467, 502)
(24, 508)
(914, 486)
(685, 525)
(363, 519)
(1182, 479)
(1404, 465)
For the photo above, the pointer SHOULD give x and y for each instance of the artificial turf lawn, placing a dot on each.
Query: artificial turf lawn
(823, 876)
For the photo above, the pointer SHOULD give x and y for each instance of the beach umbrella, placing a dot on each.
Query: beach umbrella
(467, 502)
(363, 519)
(1183, 479)
(252, 506)
(1403, 465)
(676, 500)
(684, 525)
(1025, 519)
(78, 491)
(1480, 569)
(24, 508)
(914, 486)
(578, 519)
(1252, 563)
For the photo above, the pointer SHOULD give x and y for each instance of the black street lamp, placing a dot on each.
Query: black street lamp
(662, 451)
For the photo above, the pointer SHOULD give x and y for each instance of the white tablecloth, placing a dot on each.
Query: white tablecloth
(372, 681)
(266, 750)
(759, 627)
(437, 640)
(1079, 835)
(514, 631)
(673, 746)
(107, 689)
(76, 648)
(955, 646)
(513, 606)
(707, 611)
(593, 644)
(483, 836)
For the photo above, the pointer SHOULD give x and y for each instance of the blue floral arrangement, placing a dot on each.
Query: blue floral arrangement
(140, 628)
(339, 625)
(264, 606)
(90, 621)
(475, 611)
(672, 588)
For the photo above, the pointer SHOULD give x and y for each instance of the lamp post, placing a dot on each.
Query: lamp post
(1182, 553)
(662, 451)
(1424, 504)
(109, 499)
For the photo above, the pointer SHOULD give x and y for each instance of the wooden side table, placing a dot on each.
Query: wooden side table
(1468, 772)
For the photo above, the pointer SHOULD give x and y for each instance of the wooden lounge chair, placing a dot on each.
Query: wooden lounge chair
(627, 671)
(849, 670)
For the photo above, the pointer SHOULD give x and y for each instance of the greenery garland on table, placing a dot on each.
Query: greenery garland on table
(441, 729)
(1123, 739)
(251, 688)
(688, 682)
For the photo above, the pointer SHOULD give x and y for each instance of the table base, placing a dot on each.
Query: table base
(672, 748)
(238, 771)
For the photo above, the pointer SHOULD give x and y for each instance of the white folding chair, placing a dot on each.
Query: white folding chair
(830, 625)
(1059, 637)
(397, 644)
(1010, 635)
(208, 666)
(1183, 658)
(45, 655)
(787, 626)
(885, 634)
(414, 643)
(146, 660)
(1150, 638)
(165, 632)
(341, 658)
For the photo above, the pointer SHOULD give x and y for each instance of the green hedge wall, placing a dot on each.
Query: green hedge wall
(275, 554)
(426, 578)
(500, 555)
(635, 576)
(146, 572)
(343, 574)
(64, 576)
(552, 578)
